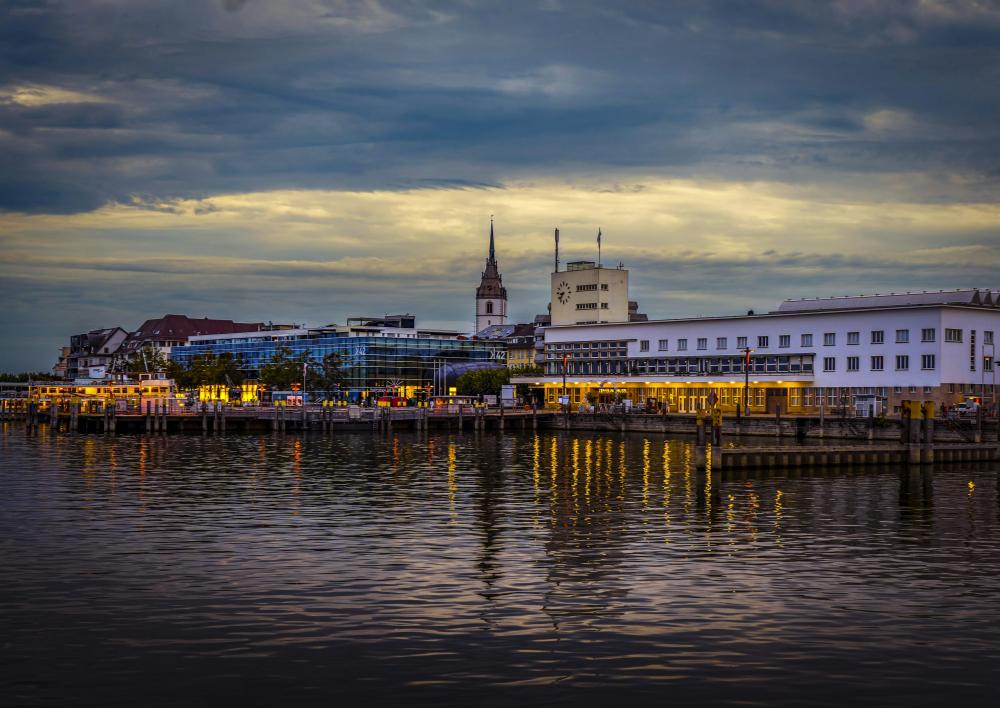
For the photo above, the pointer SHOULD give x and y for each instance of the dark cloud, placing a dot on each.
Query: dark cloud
(340, 94)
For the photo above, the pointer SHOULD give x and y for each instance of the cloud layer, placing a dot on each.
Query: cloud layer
(312, 159)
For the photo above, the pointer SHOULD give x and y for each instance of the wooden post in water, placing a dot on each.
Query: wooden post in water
(927, 432)
(979, 425)
(222, 418)
(777, 420)
(534, 415)
(871, 422)
(149, 417)
(461, 417)
(500, 419)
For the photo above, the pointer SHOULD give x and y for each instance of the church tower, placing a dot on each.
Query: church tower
(491, 295)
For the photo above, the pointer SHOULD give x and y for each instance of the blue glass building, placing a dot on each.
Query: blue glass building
(379, 355)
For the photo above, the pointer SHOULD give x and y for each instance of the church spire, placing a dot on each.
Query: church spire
(493, 257)
(491, 295)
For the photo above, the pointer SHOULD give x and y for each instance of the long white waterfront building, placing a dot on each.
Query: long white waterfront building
(842, 354)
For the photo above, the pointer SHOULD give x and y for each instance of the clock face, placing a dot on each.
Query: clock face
(562, 292)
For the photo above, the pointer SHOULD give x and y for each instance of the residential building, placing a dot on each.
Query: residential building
(169, 331)
(91, 353)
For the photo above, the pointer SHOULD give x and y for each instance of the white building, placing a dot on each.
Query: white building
(834, 352)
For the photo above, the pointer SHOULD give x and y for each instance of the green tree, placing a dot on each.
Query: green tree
(283, 369)
(26, 376)
(327, 375)
(524, 390)
(147, 360)
(483, 382)
(208, 369)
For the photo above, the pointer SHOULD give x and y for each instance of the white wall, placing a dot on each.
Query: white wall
(951, 360)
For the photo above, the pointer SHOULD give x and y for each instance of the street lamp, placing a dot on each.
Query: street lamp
(746, 380)
(565, 397)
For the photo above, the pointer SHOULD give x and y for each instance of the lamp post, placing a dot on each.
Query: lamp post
(746, 380)
(564, 395)
(305, 370)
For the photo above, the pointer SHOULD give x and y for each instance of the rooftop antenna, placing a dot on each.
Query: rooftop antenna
(557, 251)
(598, 246)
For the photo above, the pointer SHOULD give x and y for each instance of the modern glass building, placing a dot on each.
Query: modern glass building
(389, 356)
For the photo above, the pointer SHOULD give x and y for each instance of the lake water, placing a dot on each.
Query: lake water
(484, 570)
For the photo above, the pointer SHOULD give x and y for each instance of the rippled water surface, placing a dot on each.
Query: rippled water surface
(484, 570)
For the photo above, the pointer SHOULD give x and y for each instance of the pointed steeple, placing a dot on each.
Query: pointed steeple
(491, 295)
(493, 257)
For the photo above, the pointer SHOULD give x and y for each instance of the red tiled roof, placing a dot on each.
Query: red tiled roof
(180, 327)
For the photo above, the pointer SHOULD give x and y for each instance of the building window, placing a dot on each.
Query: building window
(902, 362)
(785, 341)
(987, 337)
(987, 363)
(807, 340)
(878, 363)
(489, 308)
(953, 335)
(854, 337)
(741, 342)
(902, 336)
(927, 361)
(853, 363)
(796, 395)
(720, 343)
(663, 344)
(586, 305)
(682, 345)
(927, 334)
(644, 345)
(829, 363)
(762, 342)
(878, 336)
(702, 342)
(829, 339)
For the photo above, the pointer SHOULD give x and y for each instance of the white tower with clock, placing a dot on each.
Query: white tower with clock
(586, 293)
(491, 295)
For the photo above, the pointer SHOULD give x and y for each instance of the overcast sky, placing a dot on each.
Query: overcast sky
(311, 160)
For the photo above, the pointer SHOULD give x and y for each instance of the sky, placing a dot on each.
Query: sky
(310, 160)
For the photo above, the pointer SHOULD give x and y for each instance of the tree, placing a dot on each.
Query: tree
(208, 369)
(147, 360)
(327, 375)
(483, 382)
(283, 369)
(26, 376)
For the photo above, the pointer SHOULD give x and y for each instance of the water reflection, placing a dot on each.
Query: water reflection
(471, 566)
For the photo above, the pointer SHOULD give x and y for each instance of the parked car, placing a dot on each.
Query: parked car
(964, 409)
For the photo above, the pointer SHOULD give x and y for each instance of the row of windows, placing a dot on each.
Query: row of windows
(877, 363)
(877, 336)
(590, 306)
(590, 286)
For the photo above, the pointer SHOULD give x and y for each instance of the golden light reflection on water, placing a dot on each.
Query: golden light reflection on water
(452, 483)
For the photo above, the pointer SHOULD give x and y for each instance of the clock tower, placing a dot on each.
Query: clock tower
(491, 295)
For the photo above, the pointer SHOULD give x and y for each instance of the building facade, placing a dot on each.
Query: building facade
(491, 295)
(380, 356)
(91, 353)
(837, 354)
(586, 293)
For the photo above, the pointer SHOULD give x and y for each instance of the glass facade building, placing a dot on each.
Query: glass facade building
(388, 362)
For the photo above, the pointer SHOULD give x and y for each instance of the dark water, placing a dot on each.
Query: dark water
(484, 571)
